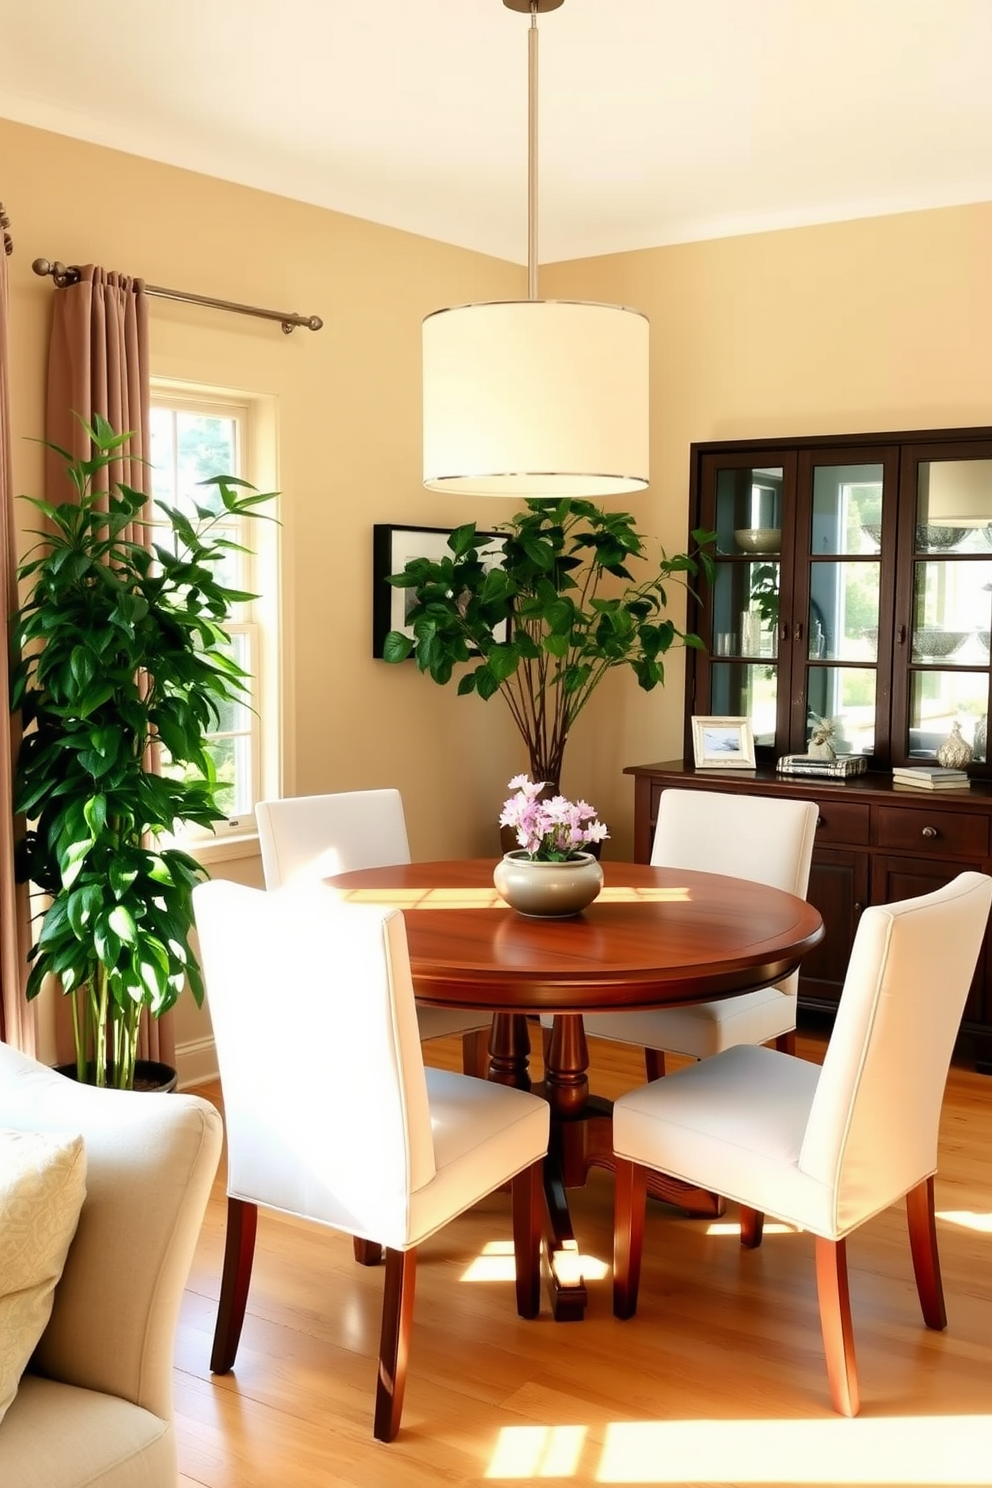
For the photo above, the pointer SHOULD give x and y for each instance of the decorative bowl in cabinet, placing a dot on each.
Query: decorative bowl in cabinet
(758, 539)
(932, 643)
(930, 538)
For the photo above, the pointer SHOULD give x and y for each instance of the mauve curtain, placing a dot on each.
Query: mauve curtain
(17, 1017)
(98, 363)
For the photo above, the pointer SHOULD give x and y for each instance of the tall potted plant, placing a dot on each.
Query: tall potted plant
(544, 625)
(122, 652)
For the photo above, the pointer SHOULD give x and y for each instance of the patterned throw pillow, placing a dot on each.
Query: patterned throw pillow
(42, 1187)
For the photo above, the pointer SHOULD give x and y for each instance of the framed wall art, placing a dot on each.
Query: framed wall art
(392, 549)
(722, 743)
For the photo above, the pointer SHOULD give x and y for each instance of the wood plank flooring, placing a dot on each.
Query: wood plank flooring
(719, 1379)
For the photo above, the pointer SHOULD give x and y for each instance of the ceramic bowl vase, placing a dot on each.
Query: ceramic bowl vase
(548, 890)
(758, 539)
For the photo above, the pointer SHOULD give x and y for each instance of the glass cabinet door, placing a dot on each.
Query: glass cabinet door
(747, 514)
(950, 608)
(838, 617)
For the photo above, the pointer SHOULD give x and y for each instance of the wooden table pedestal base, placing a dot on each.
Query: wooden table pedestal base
(581, 1138)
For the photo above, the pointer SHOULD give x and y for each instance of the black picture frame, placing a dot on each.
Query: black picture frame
(392, 549)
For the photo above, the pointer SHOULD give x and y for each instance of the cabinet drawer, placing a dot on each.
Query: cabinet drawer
(841, 821)
(943, 833)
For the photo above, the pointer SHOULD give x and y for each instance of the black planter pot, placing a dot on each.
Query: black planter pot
(149, 1074)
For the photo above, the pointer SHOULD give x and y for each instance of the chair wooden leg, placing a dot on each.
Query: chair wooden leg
(475, 1053)
(926, 1260)
(630, 1201)
(394, 1341)
(654, 1063)
(367, 1252)
(752, 1227)
(835, 1324)
(527, 1192)
(786, 1042)
(239, 1251)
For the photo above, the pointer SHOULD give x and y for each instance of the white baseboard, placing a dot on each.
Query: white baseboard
(196, 1062)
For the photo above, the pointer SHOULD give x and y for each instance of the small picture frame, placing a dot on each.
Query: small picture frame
(722, 743)
(392, 549)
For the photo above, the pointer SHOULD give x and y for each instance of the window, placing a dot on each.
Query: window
(194, 436)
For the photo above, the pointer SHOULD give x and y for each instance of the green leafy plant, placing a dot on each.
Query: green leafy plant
(122, 650)
(764, 593)
(544, 624)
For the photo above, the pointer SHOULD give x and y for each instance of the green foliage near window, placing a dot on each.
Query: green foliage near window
(544, 625)
(122, 649)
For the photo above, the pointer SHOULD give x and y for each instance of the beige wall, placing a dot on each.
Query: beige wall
(877, 324)
(349, 428)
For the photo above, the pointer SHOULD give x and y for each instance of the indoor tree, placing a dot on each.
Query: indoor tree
(542, 622)
(122, 654)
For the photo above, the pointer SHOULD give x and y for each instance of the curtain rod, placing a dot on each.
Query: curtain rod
(65, 275)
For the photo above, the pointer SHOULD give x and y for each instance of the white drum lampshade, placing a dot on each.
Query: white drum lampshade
(960, 493)
(536, 398)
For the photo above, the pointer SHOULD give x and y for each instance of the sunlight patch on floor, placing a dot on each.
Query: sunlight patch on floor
(951, 1450)
(967, 1219)
(721, 1227)
(571, 1266)
(537, 1452)
(892, 1449)
(495, 1263)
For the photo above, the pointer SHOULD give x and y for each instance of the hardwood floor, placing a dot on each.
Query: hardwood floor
(718, 1379)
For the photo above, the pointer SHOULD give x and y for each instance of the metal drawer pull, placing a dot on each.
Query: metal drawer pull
(929, 831)
(820, 821)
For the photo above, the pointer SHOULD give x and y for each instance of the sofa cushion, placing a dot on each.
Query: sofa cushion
(59, 1436)
(42, 1187)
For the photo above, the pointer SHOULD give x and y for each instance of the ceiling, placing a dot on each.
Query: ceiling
(661, 121)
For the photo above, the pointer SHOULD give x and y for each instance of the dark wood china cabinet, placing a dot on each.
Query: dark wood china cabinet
(853, 583)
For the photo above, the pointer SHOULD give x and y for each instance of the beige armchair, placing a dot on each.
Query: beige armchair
(95, 1406)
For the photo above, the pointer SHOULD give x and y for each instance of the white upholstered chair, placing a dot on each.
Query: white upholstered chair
(330, 1112)
(824, 1149)
(311, 837)
(766, 840)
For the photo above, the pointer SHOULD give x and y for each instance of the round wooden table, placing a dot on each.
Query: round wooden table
(655, 937)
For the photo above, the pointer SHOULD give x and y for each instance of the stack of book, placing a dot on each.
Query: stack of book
(929, 777)
(810, 764)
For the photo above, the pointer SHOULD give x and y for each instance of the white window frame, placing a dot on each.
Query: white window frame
(255, 419)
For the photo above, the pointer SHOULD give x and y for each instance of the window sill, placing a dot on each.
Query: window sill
(209, 850)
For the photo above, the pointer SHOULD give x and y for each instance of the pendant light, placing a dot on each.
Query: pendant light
(535, 398)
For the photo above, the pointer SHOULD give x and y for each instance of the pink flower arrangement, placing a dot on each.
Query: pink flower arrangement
(549, 831)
